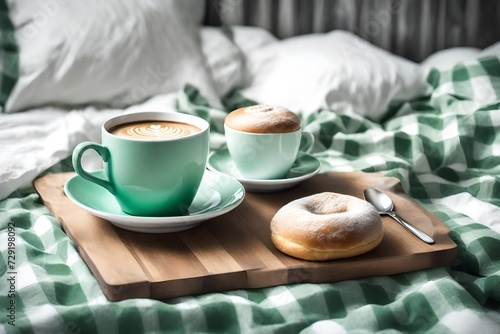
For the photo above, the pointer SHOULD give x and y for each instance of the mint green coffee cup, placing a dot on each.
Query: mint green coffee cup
(266, 156)
(154, 161)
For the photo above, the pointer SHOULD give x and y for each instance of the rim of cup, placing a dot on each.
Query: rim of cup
(145, 116)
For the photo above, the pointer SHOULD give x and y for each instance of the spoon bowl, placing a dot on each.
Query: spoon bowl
(385, 206)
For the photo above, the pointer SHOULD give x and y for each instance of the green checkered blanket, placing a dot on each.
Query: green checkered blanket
(441, 146)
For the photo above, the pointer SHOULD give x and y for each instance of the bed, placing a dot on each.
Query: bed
(424, 110)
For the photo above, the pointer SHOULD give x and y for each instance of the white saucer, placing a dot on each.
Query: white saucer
(305, 167)
(218, 194)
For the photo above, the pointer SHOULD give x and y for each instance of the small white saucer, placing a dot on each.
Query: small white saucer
(305, 167)
(218, 194)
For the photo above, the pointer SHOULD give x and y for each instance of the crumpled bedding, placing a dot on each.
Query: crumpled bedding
(442, 145)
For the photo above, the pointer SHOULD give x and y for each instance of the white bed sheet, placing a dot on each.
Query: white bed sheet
(34, 140)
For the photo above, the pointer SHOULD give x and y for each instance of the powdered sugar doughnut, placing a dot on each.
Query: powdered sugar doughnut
(263, 118)
(326, 226)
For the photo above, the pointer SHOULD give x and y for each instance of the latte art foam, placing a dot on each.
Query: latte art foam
(155, 130)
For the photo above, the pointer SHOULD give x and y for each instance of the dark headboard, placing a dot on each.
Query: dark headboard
(411, 28)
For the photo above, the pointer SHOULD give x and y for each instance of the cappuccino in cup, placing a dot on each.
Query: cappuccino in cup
(264, 140)
(154, 161)
(152, 130)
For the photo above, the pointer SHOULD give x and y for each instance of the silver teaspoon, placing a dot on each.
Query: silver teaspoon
(384, 205)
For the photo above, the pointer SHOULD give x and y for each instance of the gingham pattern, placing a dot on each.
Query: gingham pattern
(9, 56)
(440, 145)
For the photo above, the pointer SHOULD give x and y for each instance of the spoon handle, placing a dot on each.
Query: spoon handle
(419, 233)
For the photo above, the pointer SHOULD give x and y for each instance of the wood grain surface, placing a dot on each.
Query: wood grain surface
(235, 250)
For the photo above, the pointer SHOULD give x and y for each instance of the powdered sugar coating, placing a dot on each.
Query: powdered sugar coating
(327, 221)
(264, 108)
(263, 118)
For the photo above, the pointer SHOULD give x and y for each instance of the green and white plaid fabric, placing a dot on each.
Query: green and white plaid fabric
(9, 56)
(445, 144)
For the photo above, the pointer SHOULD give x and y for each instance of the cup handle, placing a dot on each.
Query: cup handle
(77, 163)
(306, 142)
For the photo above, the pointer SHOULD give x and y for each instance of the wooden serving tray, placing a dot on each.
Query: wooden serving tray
(234, 250)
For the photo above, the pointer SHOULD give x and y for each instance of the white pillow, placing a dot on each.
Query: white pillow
(249, 39)
(223, 58)
(492, 50)
(445, 59)
(337, 70)
(112, 52)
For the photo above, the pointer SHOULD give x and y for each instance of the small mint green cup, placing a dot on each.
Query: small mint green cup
(150, 177)
(265, 156)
